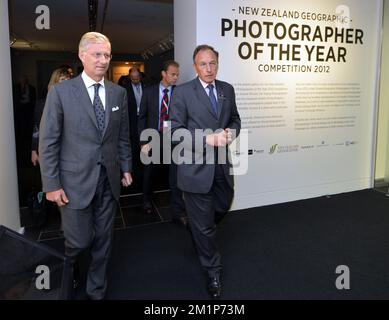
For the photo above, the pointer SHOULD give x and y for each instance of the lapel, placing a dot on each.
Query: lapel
(130, 92)
(202, 96)
(108, 103)
(220, 97)
(81, 93)
(154, 101)
(132, 106)
(171, 96)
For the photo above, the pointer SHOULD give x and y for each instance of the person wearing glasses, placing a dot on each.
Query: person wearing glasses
(205, 105)
(85, 153)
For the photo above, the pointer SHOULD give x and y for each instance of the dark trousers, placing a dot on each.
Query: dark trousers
(149, 173)
(177, 204)
(204, 211)
(150, 176)
(169, 171)
(136, 163)
(92, 228)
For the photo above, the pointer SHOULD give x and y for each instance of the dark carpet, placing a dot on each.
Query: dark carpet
(284, 251)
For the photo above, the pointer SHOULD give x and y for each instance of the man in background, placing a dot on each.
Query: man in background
(134, 87)
(24, 97)
(154, 114)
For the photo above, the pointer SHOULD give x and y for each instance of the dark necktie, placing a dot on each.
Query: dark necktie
(212, 98)
(99, 109)
(164, 112)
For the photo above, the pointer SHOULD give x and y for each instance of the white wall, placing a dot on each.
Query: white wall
(382, 165)
(185, 38)
(9, 202)
(321, 146)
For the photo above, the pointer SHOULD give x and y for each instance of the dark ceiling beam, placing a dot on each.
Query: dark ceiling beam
(92, 14)
(104, 15)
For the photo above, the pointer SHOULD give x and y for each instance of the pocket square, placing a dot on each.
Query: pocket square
(115, 109)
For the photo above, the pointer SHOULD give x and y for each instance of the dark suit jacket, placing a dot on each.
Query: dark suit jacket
(191, 109)
(71, 147)
(132, 113)
(17, 94)
(38, 111)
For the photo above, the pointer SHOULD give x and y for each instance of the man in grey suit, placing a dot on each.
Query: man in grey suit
(207, 104)
(83, 146)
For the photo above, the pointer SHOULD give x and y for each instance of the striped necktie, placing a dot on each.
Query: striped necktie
(164, 109)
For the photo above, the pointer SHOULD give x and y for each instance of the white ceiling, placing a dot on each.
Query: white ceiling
(133, 26)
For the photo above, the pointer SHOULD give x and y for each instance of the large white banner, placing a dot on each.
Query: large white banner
(305, 75)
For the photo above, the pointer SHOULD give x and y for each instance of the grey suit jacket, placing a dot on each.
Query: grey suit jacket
(191, 109)
(71, 147)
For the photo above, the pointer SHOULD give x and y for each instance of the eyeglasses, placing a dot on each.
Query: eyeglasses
(98, 55)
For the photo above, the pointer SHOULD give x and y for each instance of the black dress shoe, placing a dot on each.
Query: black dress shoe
(76, 284)
(219, 216)
(183, 221)
(214, 287)
(147, 208)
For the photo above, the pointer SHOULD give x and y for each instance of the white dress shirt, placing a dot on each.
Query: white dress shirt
(89, 82)
(205, 85)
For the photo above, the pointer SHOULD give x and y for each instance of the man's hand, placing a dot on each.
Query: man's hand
(58, 196)
(220, 139)
(229, 135)
(34, 158)
(127, 179)
(145, 149)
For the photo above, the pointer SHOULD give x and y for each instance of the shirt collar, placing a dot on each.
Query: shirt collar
(205, 85)
(89, 81)
(161, 87)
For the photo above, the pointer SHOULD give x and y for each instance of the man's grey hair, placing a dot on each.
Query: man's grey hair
(204, 47)
(91, 37)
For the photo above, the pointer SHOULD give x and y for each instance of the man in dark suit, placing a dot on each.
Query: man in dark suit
(153, 114)
(134, 87)
(205, 104)
(24, 97)
(83, 147)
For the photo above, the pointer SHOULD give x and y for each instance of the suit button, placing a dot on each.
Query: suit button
(99, 163)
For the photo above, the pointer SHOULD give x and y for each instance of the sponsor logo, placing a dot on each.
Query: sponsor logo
(273, 148)
(284, 149)
(260, 151)
(322, 144)
(255, 151)
(307, 147)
